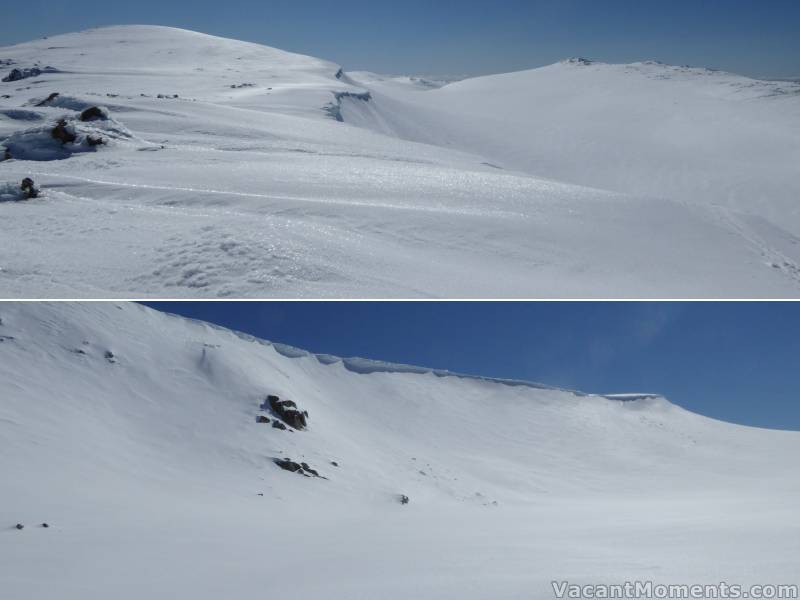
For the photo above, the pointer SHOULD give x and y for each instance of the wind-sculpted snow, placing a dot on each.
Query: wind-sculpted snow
(489, 187)
(136, 436)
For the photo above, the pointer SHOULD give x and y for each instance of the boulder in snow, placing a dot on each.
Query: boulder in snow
(67, 136)
(14, 192)
(29, 188)
(49, 99)
(63, 132)
(287, 411)
(300, 468)
(20, 74)
(289, 465)
(94, 113)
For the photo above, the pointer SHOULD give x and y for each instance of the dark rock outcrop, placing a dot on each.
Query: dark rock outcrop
(278, 425)
(62, 133)
(20, 526)
(49, 99)
(94, 113)
(288, 465)
(308, 469)
(29, 188)
(404, 499)
(45, 525)
(288, 412)
(20, 74)
(300, 468)
(262, 419)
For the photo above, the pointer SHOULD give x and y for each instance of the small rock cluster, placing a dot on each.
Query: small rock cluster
(20, 74)
(65, 133)
(287, 411)
(300, 468)
(20, 526)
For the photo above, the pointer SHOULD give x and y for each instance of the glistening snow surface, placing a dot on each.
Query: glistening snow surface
(275, 174)
(133, 434)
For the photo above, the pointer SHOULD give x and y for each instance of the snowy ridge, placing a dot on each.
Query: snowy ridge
(366, 366)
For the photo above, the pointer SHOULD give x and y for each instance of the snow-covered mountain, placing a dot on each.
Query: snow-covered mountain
(134, 435)
(224, 168)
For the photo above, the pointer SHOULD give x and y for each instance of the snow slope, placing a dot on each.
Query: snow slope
(149, 466)
(255, 172)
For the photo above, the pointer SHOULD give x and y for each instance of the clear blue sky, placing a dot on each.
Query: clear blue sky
(738, 362)
(469, 37)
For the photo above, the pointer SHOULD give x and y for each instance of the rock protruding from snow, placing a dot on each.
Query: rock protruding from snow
(288, 412)
(29, 189)
(15, 192)
(20, 74)
(301, 468)
(67, 136)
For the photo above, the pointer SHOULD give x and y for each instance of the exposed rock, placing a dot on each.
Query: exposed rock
(29, 189)
(404, 499)
(294, 418)
(19, 74)
(300, 468)
(94, 113)
(62, 133)
(308, 469)
(334, 463)
(94, 141)
(45, 525)
(288, 412)
(20, 526)
(109, 356)
(289, 465)
(262, 419)
(278, 425)
(49, 99)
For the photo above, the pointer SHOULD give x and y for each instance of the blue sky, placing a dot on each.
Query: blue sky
(738, 362)
(465, 37)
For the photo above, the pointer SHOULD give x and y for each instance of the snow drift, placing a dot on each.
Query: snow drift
(135, 435)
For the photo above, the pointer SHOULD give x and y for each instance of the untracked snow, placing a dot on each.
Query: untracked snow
(134, 436)
(246, 171)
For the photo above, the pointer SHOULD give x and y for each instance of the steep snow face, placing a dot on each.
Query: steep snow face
(257, 172)
(134, 435)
